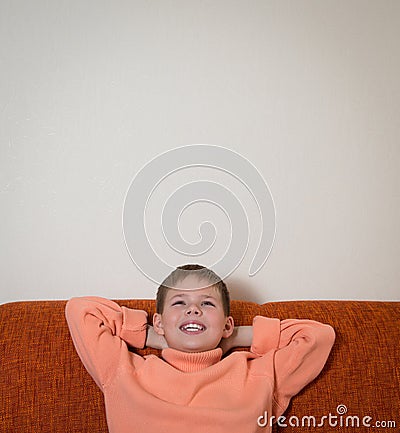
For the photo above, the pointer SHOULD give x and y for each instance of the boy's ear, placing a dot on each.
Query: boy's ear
(229, 327)
(157, 324)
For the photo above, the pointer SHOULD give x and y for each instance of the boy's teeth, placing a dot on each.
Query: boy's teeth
(192, 327)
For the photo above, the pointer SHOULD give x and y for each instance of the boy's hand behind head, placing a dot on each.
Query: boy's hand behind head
(154, 340)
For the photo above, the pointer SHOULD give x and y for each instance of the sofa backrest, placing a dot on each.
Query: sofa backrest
(45, 388)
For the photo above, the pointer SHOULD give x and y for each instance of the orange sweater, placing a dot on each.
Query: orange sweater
(194, 392)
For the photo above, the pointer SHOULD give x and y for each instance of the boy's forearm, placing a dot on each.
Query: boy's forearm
(154, 340)
(242, 336)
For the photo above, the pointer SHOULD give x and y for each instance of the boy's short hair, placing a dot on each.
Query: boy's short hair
(203, 273)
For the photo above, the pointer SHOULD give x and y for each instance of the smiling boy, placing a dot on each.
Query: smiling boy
(193, 320)
(191, 387)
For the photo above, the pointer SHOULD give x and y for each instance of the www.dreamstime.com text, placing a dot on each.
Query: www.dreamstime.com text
(332, 420)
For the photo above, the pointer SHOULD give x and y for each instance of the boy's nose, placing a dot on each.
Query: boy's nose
(193, 309)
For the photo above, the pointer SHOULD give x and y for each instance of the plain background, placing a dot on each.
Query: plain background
(308, 91)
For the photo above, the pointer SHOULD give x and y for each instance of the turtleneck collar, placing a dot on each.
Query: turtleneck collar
(190, 362)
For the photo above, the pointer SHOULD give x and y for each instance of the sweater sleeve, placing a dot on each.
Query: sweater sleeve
(300, 347)
(101, 330)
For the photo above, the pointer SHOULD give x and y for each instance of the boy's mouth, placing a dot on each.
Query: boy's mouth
(192, 328)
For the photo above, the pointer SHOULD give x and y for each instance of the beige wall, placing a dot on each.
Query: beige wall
(308, 91)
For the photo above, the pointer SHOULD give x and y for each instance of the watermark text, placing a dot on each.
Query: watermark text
(340, 419)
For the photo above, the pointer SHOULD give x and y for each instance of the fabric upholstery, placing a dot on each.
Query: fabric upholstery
(45, 388)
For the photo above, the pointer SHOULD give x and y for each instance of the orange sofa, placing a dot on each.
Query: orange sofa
(45, 388)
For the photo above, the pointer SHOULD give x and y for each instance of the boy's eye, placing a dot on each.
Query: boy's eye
(208, 303)
(178, 303)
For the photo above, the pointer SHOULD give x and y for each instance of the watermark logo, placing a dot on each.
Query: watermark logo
(338, 419)
(141, 223)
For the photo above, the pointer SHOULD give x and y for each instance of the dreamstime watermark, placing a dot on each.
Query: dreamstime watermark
(140, 221)
(340, 419)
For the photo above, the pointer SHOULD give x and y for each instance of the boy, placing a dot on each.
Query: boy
(191, 387)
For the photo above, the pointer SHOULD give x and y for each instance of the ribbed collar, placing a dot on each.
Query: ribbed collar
(190, 362)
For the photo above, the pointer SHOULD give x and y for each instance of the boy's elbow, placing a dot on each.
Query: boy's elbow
(74, 306)
(320, 337)
(328, 335)
(70, 308)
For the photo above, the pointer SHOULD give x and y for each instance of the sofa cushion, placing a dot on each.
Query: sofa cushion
(45, 388)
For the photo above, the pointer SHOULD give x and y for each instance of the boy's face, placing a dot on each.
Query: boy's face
(193, 319)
